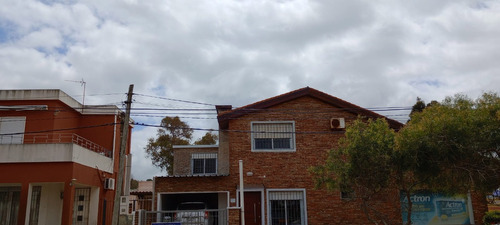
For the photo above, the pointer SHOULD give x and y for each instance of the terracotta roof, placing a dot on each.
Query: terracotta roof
(225, 116)
(144, 186)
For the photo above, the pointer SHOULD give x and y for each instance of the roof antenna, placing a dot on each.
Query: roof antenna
(82, 83)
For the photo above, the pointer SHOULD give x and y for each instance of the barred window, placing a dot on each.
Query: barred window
(204, 163)
(286, 207)
(273, 136)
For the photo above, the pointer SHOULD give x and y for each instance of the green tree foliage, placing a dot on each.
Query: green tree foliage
(450, 147)
(454, 146)
(134, 184)
(362, 163)
(418, 107)
(208, 139)
(173, 131)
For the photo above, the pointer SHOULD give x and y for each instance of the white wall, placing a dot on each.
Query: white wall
(29, 153)
(94, 205)
(51, 204)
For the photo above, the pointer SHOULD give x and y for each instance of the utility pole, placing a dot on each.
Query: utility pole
(123, 147)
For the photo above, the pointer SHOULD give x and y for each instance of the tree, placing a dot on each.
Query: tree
(455, 145)
(134, 184)
(208, 139)
(362, 164)
(173, 131)
(450, 147)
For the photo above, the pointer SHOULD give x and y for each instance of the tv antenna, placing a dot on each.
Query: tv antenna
(82, 83)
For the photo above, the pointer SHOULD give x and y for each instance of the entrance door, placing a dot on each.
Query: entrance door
(81, 206)
(253, 210)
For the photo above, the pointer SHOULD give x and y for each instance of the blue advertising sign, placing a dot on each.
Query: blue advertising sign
(433, 208)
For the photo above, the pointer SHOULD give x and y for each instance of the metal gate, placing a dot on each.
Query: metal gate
(205, 217)
(81, 206)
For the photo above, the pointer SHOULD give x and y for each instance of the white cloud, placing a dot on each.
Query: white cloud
(370, 53)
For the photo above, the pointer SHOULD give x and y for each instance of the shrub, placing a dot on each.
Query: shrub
(492, 217)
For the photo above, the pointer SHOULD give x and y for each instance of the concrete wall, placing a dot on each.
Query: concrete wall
(43, 153)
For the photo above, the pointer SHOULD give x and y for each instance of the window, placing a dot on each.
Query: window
(204, 163)
(347, 195)
(286, 207)
(36, 193)
(279, 136)
(13, 128)
(9, 204)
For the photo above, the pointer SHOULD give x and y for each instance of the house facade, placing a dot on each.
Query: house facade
(58, 159)
(277, 140)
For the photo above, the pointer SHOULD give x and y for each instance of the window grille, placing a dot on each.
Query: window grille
(204, 163)
(36, 192)
(286, 207)
(273, 136)
(9, 204)
(81, 206)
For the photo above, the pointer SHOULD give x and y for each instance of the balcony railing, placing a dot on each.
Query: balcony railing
(54, 138)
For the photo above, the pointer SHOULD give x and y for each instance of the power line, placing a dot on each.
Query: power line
(62, 129)
(172, 99)
(241, 131)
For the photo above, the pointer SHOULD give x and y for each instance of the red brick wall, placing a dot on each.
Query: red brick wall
(289, 170)
(285, 170)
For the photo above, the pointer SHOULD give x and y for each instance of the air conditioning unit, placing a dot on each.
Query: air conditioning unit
(109, 183)
(337, 123)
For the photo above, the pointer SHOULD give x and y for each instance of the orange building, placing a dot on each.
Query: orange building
(58, 159)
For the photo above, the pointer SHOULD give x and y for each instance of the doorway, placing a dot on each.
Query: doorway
(253, 208)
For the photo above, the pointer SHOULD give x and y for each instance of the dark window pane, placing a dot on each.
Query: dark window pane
(79, 218)
(198, 165)
(210, 165)
(80, 208)
(293, 212)
(81, 198)
(278, 212)
(281, 143)
(263, 143)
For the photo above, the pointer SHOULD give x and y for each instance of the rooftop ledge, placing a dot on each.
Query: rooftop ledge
(195, 146)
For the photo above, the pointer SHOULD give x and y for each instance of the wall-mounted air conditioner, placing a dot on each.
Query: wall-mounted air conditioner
(337, 123)
(109, 183)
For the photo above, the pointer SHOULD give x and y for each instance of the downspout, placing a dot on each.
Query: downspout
(242, 194)
(114, 139)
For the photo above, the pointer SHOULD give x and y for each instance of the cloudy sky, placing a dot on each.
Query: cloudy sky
(371, 53)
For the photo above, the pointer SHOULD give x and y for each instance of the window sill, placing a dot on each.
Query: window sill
(273, 150)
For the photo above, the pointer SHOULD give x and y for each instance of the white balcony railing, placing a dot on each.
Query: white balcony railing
(55, 138)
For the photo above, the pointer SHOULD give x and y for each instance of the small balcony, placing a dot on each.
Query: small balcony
(55, 147)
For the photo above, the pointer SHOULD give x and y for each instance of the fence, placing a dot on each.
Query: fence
(65, 138)
(202, 217)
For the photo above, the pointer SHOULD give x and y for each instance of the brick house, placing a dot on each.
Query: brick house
(58, 159)
(277, 139)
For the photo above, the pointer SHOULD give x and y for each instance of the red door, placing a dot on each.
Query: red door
(253, 215)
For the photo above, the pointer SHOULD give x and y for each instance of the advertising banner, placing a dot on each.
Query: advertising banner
(434, 208)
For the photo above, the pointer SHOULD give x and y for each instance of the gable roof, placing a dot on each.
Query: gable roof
(225, 115)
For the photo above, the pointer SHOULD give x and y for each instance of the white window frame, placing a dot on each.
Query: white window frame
(303, 204)
(293, 147)
(204, 156)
